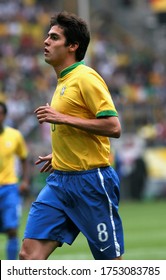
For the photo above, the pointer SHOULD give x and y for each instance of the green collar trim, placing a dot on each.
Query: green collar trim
(70, 68)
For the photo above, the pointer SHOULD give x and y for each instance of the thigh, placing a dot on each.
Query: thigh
(37, 249)
(48, 221)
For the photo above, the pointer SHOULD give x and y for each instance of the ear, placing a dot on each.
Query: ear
(73, 47)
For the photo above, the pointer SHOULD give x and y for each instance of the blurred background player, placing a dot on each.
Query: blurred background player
(12, 144)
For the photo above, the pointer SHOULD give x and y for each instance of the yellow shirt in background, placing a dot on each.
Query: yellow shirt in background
(12, 144)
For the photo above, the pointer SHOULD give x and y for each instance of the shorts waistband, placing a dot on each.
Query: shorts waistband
(94, 170)
(8, 185)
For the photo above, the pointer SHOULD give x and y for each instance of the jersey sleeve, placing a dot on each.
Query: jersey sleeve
(97, 96)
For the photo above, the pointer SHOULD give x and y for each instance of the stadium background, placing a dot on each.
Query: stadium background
(128, 48)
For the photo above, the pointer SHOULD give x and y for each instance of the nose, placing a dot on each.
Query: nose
(46, 42)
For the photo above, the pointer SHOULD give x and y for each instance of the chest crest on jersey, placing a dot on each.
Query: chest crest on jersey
(62, 91)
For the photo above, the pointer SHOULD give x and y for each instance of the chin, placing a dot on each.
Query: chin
(47, 61)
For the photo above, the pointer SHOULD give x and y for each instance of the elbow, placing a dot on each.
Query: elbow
(116, 131)
(117, 134)
(112, 127)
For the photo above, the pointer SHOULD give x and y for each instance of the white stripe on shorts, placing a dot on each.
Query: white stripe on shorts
(117, 246)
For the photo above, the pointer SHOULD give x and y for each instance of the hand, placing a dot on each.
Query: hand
(24, 188)
(48, 114)
(47, 166)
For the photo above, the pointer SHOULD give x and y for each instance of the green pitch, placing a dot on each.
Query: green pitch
(144, 229)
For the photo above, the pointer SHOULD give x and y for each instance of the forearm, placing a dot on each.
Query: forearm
(24, 184)
(109, 126)
(25, 170)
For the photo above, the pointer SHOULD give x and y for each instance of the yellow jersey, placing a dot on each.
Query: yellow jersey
(12, 144)
(80, 92)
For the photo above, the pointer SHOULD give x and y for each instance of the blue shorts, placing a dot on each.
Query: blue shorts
(85, 201)
(10, 206)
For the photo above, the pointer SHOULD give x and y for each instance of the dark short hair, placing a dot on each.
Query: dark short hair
(4, 107)
(75, 30)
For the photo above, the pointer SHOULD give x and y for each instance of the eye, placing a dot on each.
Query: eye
(54, 37)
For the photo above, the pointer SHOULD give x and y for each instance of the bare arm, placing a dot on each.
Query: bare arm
(108, 126)
(24, 185)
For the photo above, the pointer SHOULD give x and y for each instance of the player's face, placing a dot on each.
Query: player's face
(55, 49)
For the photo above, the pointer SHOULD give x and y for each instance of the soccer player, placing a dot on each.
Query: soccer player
(12, 144)
(82, 189)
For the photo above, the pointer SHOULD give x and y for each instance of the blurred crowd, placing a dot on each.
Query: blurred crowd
(135, 75)
(137, 82)
(24, 77)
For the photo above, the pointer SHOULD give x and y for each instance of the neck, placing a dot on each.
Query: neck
(60, 68)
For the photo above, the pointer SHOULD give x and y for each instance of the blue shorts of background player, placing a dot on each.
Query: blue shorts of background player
(85, 201)
(10, 210)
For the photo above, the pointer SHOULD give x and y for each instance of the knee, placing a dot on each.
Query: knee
(23, 255)
(28, 253)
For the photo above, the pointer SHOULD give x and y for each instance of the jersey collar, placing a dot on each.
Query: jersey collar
(70, 68)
